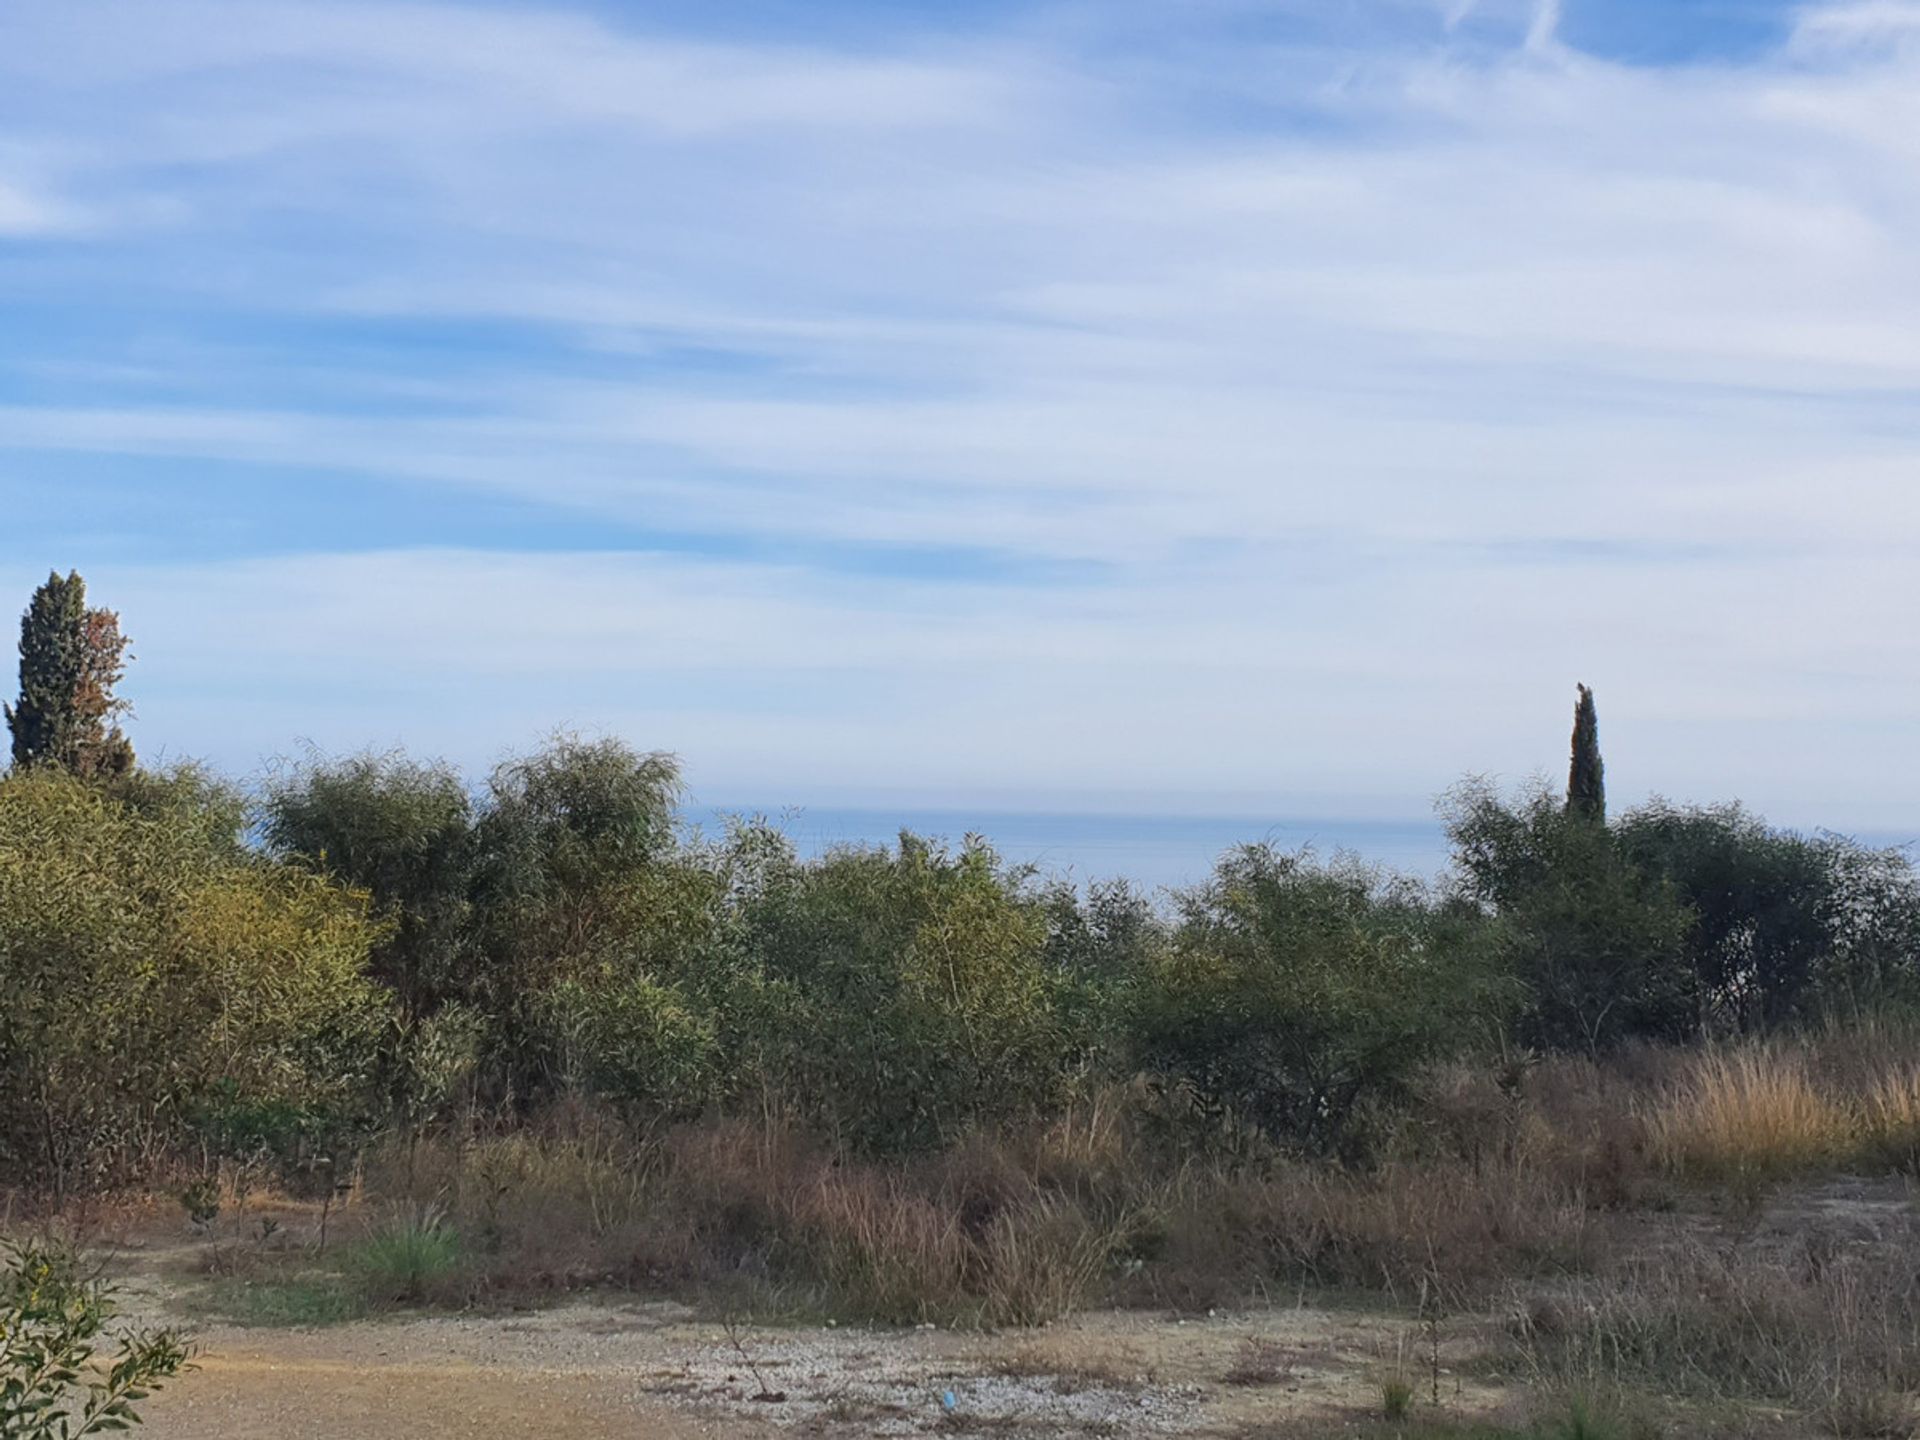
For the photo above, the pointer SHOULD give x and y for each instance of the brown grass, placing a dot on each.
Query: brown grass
(1564, 1193)
(1748, 1116)
(1259, 1361)
(1789, 1321)
(1890, 1119)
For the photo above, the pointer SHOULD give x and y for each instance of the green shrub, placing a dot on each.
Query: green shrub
(403, 832)
(1599, 943)
(566, 836)
(908, 991)
(635, 1042)
(1781, 922)
(1396, 1398)
(1296, 994)
(408, 1260)
(148, 964)
(54, 1385)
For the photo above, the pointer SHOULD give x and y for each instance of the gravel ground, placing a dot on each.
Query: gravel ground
(611, 1367)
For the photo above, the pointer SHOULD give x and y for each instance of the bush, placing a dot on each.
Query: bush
(1295, 995)
(567, 834)
(401, 831)
(147, 964)
(906, 993)
(632, 1041)
(53, 1317)
(1780, 922)
(1599, 943)
(409, 1259)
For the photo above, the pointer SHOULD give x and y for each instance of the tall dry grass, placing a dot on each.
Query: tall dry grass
(1889, 1119)
(1014, 1227)
(1748, 1116)
(1010, 1230)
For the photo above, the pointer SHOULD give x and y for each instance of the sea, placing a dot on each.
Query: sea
(1154, 852)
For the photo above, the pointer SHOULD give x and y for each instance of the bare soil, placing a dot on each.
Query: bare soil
(628, 1368)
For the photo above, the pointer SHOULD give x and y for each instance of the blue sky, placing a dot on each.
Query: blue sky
(1264, 406)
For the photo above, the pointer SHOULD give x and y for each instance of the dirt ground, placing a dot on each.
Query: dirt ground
(626, 1368)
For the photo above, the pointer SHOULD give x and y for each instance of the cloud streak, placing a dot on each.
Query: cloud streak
(1093, 397)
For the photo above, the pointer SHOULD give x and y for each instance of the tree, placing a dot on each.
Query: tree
(1600, 943)
(403, 832)
(71, 657)
(156, 977)
(1783, 924)
(1586, 775)
(1296, 995)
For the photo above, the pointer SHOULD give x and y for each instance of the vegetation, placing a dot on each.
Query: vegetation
(1586, 773)
(71, 657)
(53, 1318)
(556, 1038)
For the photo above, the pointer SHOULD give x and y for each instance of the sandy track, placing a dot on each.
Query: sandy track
(610, 1369)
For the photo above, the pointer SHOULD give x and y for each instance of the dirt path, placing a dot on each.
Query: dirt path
(609, 1369)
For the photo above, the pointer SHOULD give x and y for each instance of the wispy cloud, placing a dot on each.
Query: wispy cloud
(1246, 367)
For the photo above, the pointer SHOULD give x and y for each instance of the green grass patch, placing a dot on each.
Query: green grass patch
(413, 1259)
(292, 1301)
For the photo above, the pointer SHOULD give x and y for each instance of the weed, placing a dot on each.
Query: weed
(1890, 1120)
(1259, 1362)
(1396, 1397)
(1859, 1412)
(409, 1259)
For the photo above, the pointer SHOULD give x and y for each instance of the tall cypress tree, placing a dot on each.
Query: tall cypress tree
(1587, 775)
(70, 660)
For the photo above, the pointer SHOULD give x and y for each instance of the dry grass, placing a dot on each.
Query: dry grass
(1259, 1361)
(1015, 1228)
(1546, 1190)
(992, 1233)
(1890, 1119)
(1748, 1117)
(1793, 1316)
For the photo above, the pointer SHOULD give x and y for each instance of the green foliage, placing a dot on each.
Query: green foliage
(631, 1040)
(1295, 993)
(190, 798)
(408, 1259)
(914, 995)
(54, 1385)
(568, 832)
(1673, 918)
(71, 657)
(403, 832)
(1872, 908)
(1599, 943)
(1586, 773)
(144, 962)
(201, 1202)
(1765, 915)
(1396, 1398)
(1103, 936)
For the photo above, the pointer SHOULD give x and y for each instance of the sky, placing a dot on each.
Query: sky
(1161, 406)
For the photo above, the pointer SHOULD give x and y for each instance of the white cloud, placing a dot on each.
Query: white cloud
(778, 682)
(1863, 22)
(23, 213)
(1442, 371)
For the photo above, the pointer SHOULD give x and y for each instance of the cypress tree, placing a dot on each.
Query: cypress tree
(1586, 775)
(70, 660)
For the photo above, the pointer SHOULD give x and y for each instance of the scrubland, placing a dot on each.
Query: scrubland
(1609, 1134)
